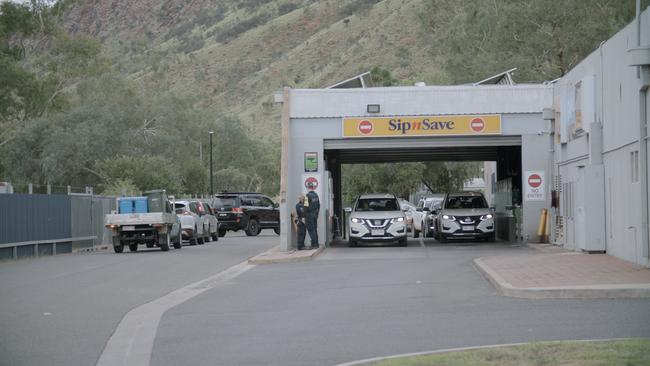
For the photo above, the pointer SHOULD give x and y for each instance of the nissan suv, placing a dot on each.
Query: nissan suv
(377, 218)
(246, 211)
(465, 215)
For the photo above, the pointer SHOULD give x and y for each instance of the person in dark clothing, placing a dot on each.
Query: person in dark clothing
(311, 218)
(300, 222)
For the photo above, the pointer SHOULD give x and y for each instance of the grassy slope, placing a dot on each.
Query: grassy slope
(314, 45)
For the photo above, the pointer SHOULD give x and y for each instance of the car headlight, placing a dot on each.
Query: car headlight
(448, 217)
(355, 220)
(399, 219)
(486, 217)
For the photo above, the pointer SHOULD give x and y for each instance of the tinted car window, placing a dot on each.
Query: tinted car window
(225, 203)
(194, 208)
(465, 202)
(377, 204)
(266, 202)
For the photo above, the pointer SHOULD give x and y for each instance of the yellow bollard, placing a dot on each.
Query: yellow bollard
(547, 229)
(541, 228)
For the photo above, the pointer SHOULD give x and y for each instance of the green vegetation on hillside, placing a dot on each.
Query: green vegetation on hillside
(122, 94)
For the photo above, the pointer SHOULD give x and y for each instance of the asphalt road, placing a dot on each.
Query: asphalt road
(61, 310)
(358, 303)
(349, 304)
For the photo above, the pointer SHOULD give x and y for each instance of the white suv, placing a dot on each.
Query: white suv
(465, 215)
(377, 218)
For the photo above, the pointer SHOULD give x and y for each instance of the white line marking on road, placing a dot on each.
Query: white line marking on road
(132, 342)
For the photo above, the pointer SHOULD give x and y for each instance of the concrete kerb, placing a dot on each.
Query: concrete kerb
(374, 360)
(562, 292)
(275, 256)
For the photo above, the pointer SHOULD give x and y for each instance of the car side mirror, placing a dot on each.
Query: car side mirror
(419, 209)
(426, 209)
(435, 212)
(276, 205)
(348, 209)
(493, 209)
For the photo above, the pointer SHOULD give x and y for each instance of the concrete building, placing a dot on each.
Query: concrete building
(576, 146)
(600, 164)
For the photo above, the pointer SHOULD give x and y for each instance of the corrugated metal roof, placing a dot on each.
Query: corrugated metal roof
(422, 100)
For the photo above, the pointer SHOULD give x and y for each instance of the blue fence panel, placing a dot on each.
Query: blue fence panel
(25, 217)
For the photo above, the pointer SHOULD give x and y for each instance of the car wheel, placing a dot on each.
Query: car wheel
(194, 240)
(133, 247)
(443, 239)
(352, 243)
(164, 247)
(222, 233)
(276, 230)
(214, 236)
(253, 228)
(200, 241)
(118, 248)
(416, 233)
(403, 242)
(491, 238)
(206, 232)
(177, 243)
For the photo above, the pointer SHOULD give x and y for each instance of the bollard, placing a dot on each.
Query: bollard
(541, 228)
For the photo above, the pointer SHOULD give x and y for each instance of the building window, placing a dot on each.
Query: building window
(578, 106)
(634, 165)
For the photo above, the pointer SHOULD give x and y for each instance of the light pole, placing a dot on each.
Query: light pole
(211, 185)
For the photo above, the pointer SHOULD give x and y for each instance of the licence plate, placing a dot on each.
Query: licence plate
(223, 215)
(377, 232)
(128, 228)
(468, 228)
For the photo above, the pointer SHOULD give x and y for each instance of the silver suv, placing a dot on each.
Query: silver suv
(377, 218)
(465, 215)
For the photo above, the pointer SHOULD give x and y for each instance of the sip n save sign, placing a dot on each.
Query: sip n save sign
(535, 185)
(407, 126)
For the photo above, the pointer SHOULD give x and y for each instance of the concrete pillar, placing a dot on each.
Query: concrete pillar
(286, 226)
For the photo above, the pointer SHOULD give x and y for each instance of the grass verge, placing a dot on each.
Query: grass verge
(630, 352)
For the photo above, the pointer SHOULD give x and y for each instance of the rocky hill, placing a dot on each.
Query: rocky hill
(235, 54)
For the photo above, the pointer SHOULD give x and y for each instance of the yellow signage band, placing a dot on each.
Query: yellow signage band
(401, 126)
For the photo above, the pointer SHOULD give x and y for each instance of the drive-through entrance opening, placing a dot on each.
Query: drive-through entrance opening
(504, 184)
(324, 129)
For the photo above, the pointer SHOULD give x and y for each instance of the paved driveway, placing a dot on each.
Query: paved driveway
(61, 310)
(357, 303)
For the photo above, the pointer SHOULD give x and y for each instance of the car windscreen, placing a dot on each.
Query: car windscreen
(179, 208)
(463, 202)
(225, 203)
(377, 204)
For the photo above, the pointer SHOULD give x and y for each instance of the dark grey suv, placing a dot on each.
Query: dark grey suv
(248, 211)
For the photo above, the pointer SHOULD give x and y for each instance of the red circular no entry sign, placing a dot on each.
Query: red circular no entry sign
(534, 180)
(311, 183)
(365, 127)
(477, 125)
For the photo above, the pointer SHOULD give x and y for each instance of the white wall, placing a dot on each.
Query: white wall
(616, 97)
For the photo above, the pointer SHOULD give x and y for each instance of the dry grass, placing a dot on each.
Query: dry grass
(633, 352)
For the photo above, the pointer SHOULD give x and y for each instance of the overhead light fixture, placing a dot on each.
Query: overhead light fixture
(373, 108)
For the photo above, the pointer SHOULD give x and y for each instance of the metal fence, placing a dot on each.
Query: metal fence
(34, 224)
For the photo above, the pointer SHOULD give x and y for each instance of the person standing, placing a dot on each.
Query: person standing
(311, 217)
(300, 222)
